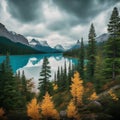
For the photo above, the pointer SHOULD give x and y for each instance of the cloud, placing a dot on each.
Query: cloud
(25, 10)
(85, 10)
(57, 21)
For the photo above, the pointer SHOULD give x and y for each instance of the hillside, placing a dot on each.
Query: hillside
(6, 45)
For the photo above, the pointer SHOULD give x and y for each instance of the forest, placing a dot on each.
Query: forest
(82, 92)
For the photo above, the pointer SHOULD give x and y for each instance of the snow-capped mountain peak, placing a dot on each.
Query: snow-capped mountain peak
(44, 43)
(38, 42)
(59, 47)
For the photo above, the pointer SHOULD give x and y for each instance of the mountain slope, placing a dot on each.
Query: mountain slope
(12, 35)
(42, 46)
(75, 46)
(102, 38)
(59, 47)
(6, 45)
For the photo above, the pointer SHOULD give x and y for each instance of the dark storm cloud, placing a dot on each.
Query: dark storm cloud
(62, 24)
(24, 10)
(85, 10)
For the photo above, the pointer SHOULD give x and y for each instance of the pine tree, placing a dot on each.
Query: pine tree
(44, 84)
(24, 86)
(69, 76)
(114, 23)
(77, 89)
(91, 52)
(47, 108)
(81, 60)
(33, 109)
(65, 77)
(112, 47)
(9, 94)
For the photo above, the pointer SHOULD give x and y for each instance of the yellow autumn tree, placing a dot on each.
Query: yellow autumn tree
(72, 110)
(77, 89)
(93, 96)
(47, 108)
(55, 86)
(113, 95)
(33, 109)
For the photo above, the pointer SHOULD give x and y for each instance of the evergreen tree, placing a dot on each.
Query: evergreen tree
(65, 74)
(81, 60)
(24, 86)
(69, 76)
(58, 77)
(44, 84)
(91, 54)
(112, 47)
(9, 94)
(114, 23)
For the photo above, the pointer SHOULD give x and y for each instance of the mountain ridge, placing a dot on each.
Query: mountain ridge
(13, 36)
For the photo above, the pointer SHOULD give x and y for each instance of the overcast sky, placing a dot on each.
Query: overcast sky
(57, 21)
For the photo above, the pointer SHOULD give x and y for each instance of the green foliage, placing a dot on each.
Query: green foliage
(112, 48)
(80, 66)
(91, 52)
(9, 94)
(63, 80)
(72, 53)
(99, 79)
(45, 74)
(114, 23)
(110, 106)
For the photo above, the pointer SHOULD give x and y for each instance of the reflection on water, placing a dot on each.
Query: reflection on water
(31, 64)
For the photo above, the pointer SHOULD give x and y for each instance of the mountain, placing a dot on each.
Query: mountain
(75, 46)
(12, 35)
(42, 46)
(102, 38)
(59, 47)
(6, 45)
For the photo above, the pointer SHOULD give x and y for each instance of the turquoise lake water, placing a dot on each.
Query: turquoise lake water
(31, 64)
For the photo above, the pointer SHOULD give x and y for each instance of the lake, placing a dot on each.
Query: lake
(31, 64)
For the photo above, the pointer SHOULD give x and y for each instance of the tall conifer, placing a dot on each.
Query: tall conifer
(45, 74)
(112, 47)
(91, 52)
(81, 60)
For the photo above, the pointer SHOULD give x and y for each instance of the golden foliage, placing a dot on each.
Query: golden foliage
(55, 86)
(114, 97)
(1, 112)
(47, 107)
(93, 96)
(71, 110)
(33, 109)
(77, 89)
